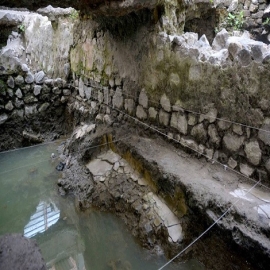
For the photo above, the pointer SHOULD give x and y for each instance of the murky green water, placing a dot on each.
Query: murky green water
(30, 204)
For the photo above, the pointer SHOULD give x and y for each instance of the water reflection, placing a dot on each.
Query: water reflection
(45, 216)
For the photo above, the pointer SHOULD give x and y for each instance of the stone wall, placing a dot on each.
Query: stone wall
(239, 147)
(32, 106)
(41, 41)
(158, 62)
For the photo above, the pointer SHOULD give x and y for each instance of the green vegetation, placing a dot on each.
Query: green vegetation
(267, 21)
(235, 21)
(21, 28)
(74, 15)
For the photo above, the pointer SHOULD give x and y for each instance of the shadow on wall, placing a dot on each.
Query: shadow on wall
(205, 25)
(127, 25)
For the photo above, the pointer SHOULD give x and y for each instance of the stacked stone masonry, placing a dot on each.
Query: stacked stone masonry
(235, 145)
(28, 94)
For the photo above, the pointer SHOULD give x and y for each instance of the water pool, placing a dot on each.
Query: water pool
(68, 239)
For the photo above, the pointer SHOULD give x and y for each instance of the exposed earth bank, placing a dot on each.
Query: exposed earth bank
(168, 197)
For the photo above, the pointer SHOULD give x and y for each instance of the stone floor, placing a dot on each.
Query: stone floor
(158, 213)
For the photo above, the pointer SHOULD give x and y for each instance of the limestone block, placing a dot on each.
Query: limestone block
(44, 107)
(247, 4)
(66, 92)
(81, 88)
(10, 92)
(30, 99)
(87, 91)
(49, 82)
(118, 99)
(9, 106)
(140, 113)
(118, 81)
(18, 103)
(264, 136)
(57, 91)
(179, 122)
(107, 119)
(237, 129)
(99, 118)
(164, 117)
(246, 13)
(264, 104)
(19, 80)
(152, 113)
(266, 58)
(177, 106)
(143, 99)
(201, 148)
(3, 118)
(18, 93)
(67, 69)
(191, 144)
(267, 163)
(199, 133)
(39, 77)
(190, 38)
(170, 135)
(107, 98)
(233, 6)
(203, 42)
(25, 68)
(46, 89)
(165, 103)
(244, 57)
(10, 82)
(220, 40)
(209, 153)
(234, 48)
(257, 53)
(30, 110)
(210, 116)
(246, 169)
(213, 134)
(64, 99)
(100, 97)
(253, 152)
(232, 163)
(111, 82)
(219, 57)
(253, 7)
(233, 142)
(93, 104)
(129, 106)
(192, 119)
(224, 125)
(58, 82)
(19, 113)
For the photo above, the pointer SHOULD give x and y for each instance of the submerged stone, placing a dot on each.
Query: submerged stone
(60, 167)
